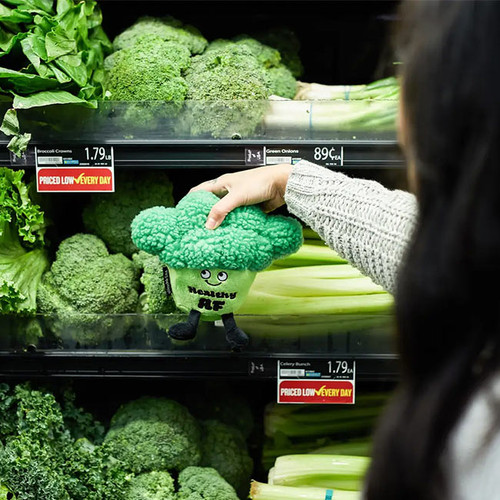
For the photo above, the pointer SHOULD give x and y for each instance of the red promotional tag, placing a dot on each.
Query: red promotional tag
(316, 382)
(75, 169)
(85, 179)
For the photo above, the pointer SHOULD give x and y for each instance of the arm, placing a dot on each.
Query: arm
(367, 224)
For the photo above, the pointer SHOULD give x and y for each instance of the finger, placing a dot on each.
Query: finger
(214, 186)
(222, 208)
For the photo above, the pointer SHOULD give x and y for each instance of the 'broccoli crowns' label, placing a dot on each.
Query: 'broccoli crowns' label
(213, 292)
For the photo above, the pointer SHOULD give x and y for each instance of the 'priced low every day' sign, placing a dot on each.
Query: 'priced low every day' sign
(75, 169)
(319, 382)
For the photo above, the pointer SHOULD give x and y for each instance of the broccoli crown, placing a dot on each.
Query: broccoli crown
(153, 300)
(109, 215)
(166, 28)
(86, 280)
(148, 71)
(204, 483)
(281, 82)
(84, 287)
(215, 402)
(286, 41)
(248, 238)
(227, 92)
(224, 448)
(155, 485)
(266, 56)
(154, 434)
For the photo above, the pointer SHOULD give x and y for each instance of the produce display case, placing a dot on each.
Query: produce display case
(341, 43)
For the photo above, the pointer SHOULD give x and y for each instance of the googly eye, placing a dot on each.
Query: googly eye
(205, 274)
(222, 276)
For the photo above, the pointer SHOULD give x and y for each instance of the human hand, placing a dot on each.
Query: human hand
(264, 185)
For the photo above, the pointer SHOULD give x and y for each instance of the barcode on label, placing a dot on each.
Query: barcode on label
(50, 160)
(292, 373)
(275, 160)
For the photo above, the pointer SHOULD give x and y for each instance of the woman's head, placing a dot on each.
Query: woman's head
(448, 315)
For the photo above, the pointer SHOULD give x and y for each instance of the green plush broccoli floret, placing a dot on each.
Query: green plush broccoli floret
(166, 28)
(247, 239)
(109, 215)
(224, 448)
(227, 92)
(85, 284)
(156, 485)
(153, 299)
(204, 483)
(154, 434)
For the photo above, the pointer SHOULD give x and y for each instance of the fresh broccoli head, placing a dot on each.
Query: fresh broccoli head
(216, 401)
(288, 44)
(227, 92)
(154, 434)
(109, 215)
(204, 483)
(281, 82)
(156, 485)
(153, 299)
(166, 28)
(84, 284)
(224, 448)
(247, 239)
(148, 76)
(278, 78)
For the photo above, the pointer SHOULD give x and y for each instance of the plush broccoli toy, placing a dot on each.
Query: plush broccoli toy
(211, 271)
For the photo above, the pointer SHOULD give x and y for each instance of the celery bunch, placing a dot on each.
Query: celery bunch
(263, 491)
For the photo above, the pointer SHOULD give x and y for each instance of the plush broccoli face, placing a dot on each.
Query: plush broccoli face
(213, 291)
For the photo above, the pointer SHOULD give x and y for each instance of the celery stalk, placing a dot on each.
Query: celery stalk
(263, 491)
(311, 253)
(265, 303)
(325, 471)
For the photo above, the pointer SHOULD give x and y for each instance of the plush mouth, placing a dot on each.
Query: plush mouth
(211, 284)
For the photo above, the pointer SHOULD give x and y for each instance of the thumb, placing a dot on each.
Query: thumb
(222, 208)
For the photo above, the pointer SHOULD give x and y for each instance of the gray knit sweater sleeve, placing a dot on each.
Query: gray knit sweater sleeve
(367, 224)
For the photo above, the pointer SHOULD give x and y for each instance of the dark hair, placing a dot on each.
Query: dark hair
(447, 299)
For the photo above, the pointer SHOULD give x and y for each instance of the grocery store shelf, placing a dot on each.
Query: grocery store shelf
(341, 155)
(138, 345)
(183, 365)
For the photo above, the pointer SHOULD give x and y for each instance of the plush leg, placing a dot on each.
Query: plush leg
(187, 330)
(235, 336)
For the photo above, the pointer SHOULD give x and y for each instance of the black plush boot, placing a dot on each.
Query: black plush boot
(235, 336)
(187, 330)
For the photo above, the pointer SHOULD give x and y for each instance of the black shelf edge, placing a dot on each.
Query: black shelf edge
(177, 365)
(236, 154)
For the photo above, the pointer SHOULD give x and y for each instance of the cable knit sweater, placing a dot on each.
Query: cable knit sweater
(371, 226)
(367, 224)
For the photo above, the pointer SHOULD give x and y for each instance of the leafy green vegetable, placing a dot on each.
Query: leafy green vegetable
(62, 54)
(263, 491)
(23, 259)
